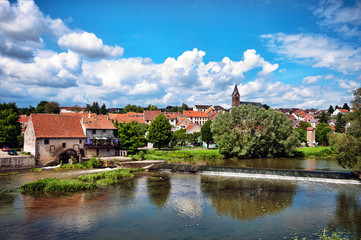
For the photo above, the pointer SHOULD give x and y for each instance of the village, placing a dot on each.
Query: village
(77, 133)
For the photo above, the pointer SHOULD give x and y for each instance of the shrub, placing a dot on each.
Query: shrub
(54, 185)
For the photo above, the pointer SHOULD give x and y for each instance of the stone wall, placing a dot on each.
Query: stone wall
(14, 163)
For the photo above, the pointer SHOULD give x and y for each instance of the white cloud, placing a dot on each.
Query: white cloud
(144, 88)
(311, 79)
(319, 50)
(89, 45)
(348, 85)
(333, 15)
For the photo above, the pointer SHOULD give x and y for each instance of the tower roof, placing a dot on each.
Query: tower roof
(235, 91)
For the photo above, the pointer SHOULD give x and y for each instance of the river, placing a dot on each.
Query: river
(180, 206)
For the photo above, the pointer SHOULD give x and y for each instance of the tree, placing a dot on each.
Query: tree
(348, 145)
(10, 128)
(248, 131)
(128, 136)
(337, 107)
(266, 106)
(40, 108)
(193, 138)
(330, 110)
(52, 107)
(76, 108)
(340, 124)
(180, 136)
(302, 135)
(345, 106)
(103, 109)
(206, 133)
(95, 108)
(323, 118)
(159, 132)
(322, 130)
(184, 107)
(304, 125)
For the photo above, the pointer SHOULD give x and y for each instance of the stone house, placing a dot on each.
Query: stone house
(196, 117)
(48, 136)
(192, 128)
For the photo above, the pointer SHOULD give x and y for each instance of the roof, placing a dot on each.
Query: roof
(235, 90)
(23, 118)
(150, 115)
(97, 123)
(195, 114)
(258, 104)
(124, 118)
(310, 129)
(71, 108)
(291, 116)
(333, 127)
(202, 106)
(190, 126)
(57, 126)
(170, 115)
(343, 110)
(218, 108)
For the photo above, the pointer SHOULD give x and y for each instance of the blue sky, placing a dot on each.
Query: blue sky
(282, 53)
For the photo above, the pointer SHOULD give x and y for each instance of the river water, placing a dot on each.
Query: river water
(180, 206)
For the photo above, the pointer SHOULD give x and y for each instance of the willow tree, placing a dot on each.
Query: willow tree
(251, 132)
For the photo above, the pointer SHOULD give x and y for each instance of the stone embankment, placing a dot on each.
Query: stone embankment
(16, 162)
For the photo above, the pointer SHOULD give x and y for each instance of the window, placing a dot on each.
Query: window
(104, 131)
(80, 141)
(46, 141)
(94, 131)
(64, 145)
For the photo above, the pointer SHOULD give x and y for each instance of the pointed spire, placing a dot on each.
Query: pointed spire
(235, 91)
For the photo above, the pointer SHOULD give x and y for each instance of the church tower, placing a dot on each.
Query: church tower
(235, 96)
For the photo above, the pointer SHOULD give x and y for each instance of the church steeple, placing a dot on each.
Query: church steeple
(235, 96)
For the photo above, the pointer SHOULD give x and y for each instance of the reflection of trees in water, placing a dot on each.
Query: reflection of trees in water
(6, 204)
(159, 189)
(126, 190)
(348, 213)
(247, 199)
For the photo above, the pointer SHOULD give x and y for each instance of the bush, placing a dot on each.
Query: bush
(55, 185)
(94, 162)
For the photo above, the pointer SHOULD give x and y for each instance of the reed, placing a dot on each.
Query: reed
(55, 185)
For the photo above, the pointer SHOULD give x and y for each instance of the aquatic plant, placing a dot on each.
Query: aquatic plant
(94, 162)
(36, 170)
(8, 173)
(55, 185)
(113, 175)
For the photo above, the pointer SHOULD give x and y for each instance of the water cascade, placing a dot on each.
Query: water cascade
(324, 176)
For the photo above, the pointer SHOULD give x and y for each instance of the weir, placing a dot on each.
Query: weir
(249, 172)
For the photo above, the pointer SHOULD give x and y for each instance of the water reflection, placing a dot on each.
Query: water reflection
(348, 213)
(246, 199)
(159, 187)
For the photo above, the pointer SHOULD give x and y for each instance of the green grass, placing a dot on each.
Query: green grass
(91, 163)
(8, 173)
(170, 155)
(55, 185)
(317, 151)
(87, 182)
(36, 170)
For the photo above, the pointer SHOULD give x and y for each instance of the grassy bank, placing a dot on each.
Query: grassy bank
(316, 152)
(91, 163)
(87, 182)
(169, 155)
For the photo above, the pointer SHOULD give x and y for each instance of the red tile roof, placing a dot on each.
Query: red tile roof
(150, 115)
(98, 123)
(343, 110)
(57, 126)
(332, 127)
(23, 118)
(124, 118)
(190, 126)
(310, 129)
(195, 114)
(170, 115)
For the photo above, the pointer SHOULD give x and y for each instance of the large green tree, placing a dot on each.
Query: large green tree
(180, 136)
(248, 131)
(130, 135)
(348, 145)
(52, 107)
(340, 123)
(304, 125)
(323, 118)
(159, 132)
(322, 131)
(206, 133)
(10, 128)
(330, 110)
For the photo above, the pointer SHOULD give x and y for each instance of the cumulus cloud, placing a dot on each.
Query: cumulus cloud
(89, 45)
(311, 79)
(319, 50)
(348, 85)
(144, 88)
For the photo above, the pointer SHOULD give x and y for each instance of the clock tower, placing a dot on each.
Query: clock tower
(235, 96)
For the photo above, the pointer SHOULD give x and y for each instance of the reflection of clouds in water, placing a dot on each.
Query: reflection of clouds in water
(186, 197)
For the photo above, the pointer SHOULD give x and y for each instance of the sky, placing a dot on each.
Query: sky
(282, 53)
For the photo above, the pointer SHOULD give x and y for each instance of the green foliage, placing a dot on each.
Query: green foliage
(348, 145)
(130, 134)
(193, 138)
(141, 155)
(94, 162)
(304, 125)
(54, 185)
(302, 135)
(340, 123)
(160, 131)
(52, 107)
(170, 155)
(248, 131)
(103, 109)
(323, 118)
(316, 151)
(206, 133)
(111, 175)
(345, 106)
(36, 170)
(8, 173)
(10, 128)
(330, 110)
(132, 108)
(180, 137)
(266, 106)
(322, 131)
(40, 108)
